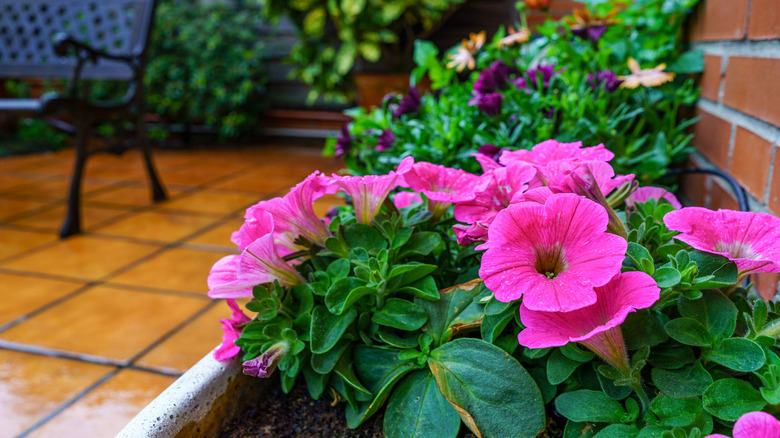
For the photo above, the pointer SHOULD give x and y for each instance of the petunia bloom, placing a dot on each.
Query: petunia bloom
(649, 77)
(265, 364)
(406, 199)
(369, 192)
(753, 425)
(489, 104)
(442, 185)
(552, 255)
(231, 331)
(551, 150)
(643, 194)
(595, 326)
(751, 240)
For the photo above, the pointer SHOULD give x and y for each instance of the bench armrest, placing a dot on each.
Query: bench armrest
(63, 43)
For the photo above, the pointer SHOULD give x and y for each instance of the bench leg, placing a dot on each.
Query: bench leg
(72, 224)
(158, 192)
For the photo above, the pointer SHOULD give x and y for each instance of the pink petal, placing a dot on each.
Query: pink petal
(551, 150)
(222, 280)
(643, 194)
(757, 424)
(406, 199)
(440, 183)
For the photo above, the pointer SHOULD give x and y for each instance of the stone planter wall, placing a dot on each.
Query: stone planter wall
(739, 129)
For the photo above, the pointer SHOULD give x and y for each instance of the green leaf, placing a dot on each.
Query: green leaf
(560, 367)
(338, 269)
(424, 288)
(574, 429)
(689, 332)
(587, 405)
(420, 244)
(459, 308)
(314, 22)
(327, 328)
(403, 275)
(389, 336)
(714, 270)
(667, 277)
(345, 369)
(644, 327)
(729, 399)
(713, 310)
(364, 236)
(343, 293)
(640, 257)
(323, 363)
(370, 51)
(690, 381)
(494, 395)
(617, 431)
(379, 369)
(689, 62)
(739, 354)
(573, 352)
(676, 412)
(417, 409)
(401, 314)
(493, 325)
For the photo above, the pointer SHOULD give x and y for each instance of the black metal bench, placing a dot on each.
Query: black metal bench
(81, 40)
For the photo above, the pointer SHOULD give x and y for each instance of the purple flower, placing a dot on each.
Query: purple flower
(520, 83)
(606, 78)
(386, 140)
(546, 71)
(501, 73)
(409, 103)
(489, 104)
(590, 33)
(486, 83)
(265, 364)
(343, 142)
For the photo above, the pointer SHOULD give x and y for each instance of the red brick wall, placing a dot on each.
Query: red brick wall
(739, 129)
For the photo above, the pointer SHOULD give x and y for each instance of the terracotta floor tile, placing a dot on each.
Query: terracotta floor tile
(260, 182)
(11, 206)
(176, 269)
(322, 205)
(196, 176)
(10, 183)
(57, 189)
(52, 218)
(108, 408)
(213, 201)
(26, 162)
(105, 321)
(13, 242)
(157, 226)
(219, 236)
(128, 196)
(82, 257)
(22, 294)
(190, 344)
(33, 386)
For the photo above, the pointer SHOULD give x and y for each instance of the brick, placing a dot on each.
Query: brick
(765, 284)
(716, 20)
(720, 197)
(752, 86)
(750, 163)
(711, 137)
(764, 19)
(710, 80)
(774, 188)
(694, 186)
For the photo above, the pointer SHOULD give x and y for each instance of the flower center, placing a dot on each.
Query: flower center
(550, 260)
(736, 249)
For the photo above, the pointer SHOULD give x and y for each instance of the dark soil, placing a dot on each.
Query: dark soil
(296, 414)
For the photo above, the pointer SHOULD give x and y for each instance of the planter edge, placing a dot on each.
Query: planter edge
(188, 402)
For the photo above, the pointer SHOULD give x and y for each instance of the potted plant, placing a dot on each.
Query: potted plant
(373, 37)
(547, 294)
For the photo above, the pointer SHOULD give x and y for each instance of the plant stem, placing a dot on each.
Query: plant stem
(640, 391)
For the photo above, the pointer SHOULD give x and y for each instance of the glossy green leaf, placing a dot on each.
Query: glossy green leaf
(459, 308)
(739, 354)
(617, 431)
(389, 336)
(401, 314)
(424, 288)
(729, 399)
(667, 277)
(420, 244)
(689, 381)
(714, 270)
(324, 363)
(560, 367)
(689, 332)
(676, 412)
(587, 405)
(343, 294)
(364, 236)
(345, 369)
(494, 395)
(327, 328)
(713, 310)
(417, 409)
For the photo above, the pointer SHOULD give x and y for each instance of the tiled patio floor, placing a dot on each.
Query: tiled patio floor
(93, 327)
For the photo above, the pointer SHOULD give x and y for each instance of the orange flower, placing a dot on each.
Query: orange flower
(538, 4)
(518, 36)
(649, 77)
(464, 55)
(584, 19)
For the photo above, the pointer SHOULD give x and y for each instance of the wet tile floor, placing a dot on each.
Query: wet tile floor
(95, 326)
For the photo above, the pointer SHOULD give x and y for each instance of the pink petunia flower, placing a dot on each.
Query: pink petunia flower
(494, 192)
(643, 194)
(552, 255)
(582, 178)
(293, 213)
(442, 185)
(551, 150)
(234, 276)
(469, 234)
(751, 240)
(369, 192)
(406, 199)
(231, 331)
(595, 326)
(753, 425)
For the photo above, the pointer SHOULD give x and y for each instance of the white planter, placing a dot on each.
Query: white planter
(199, 403)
